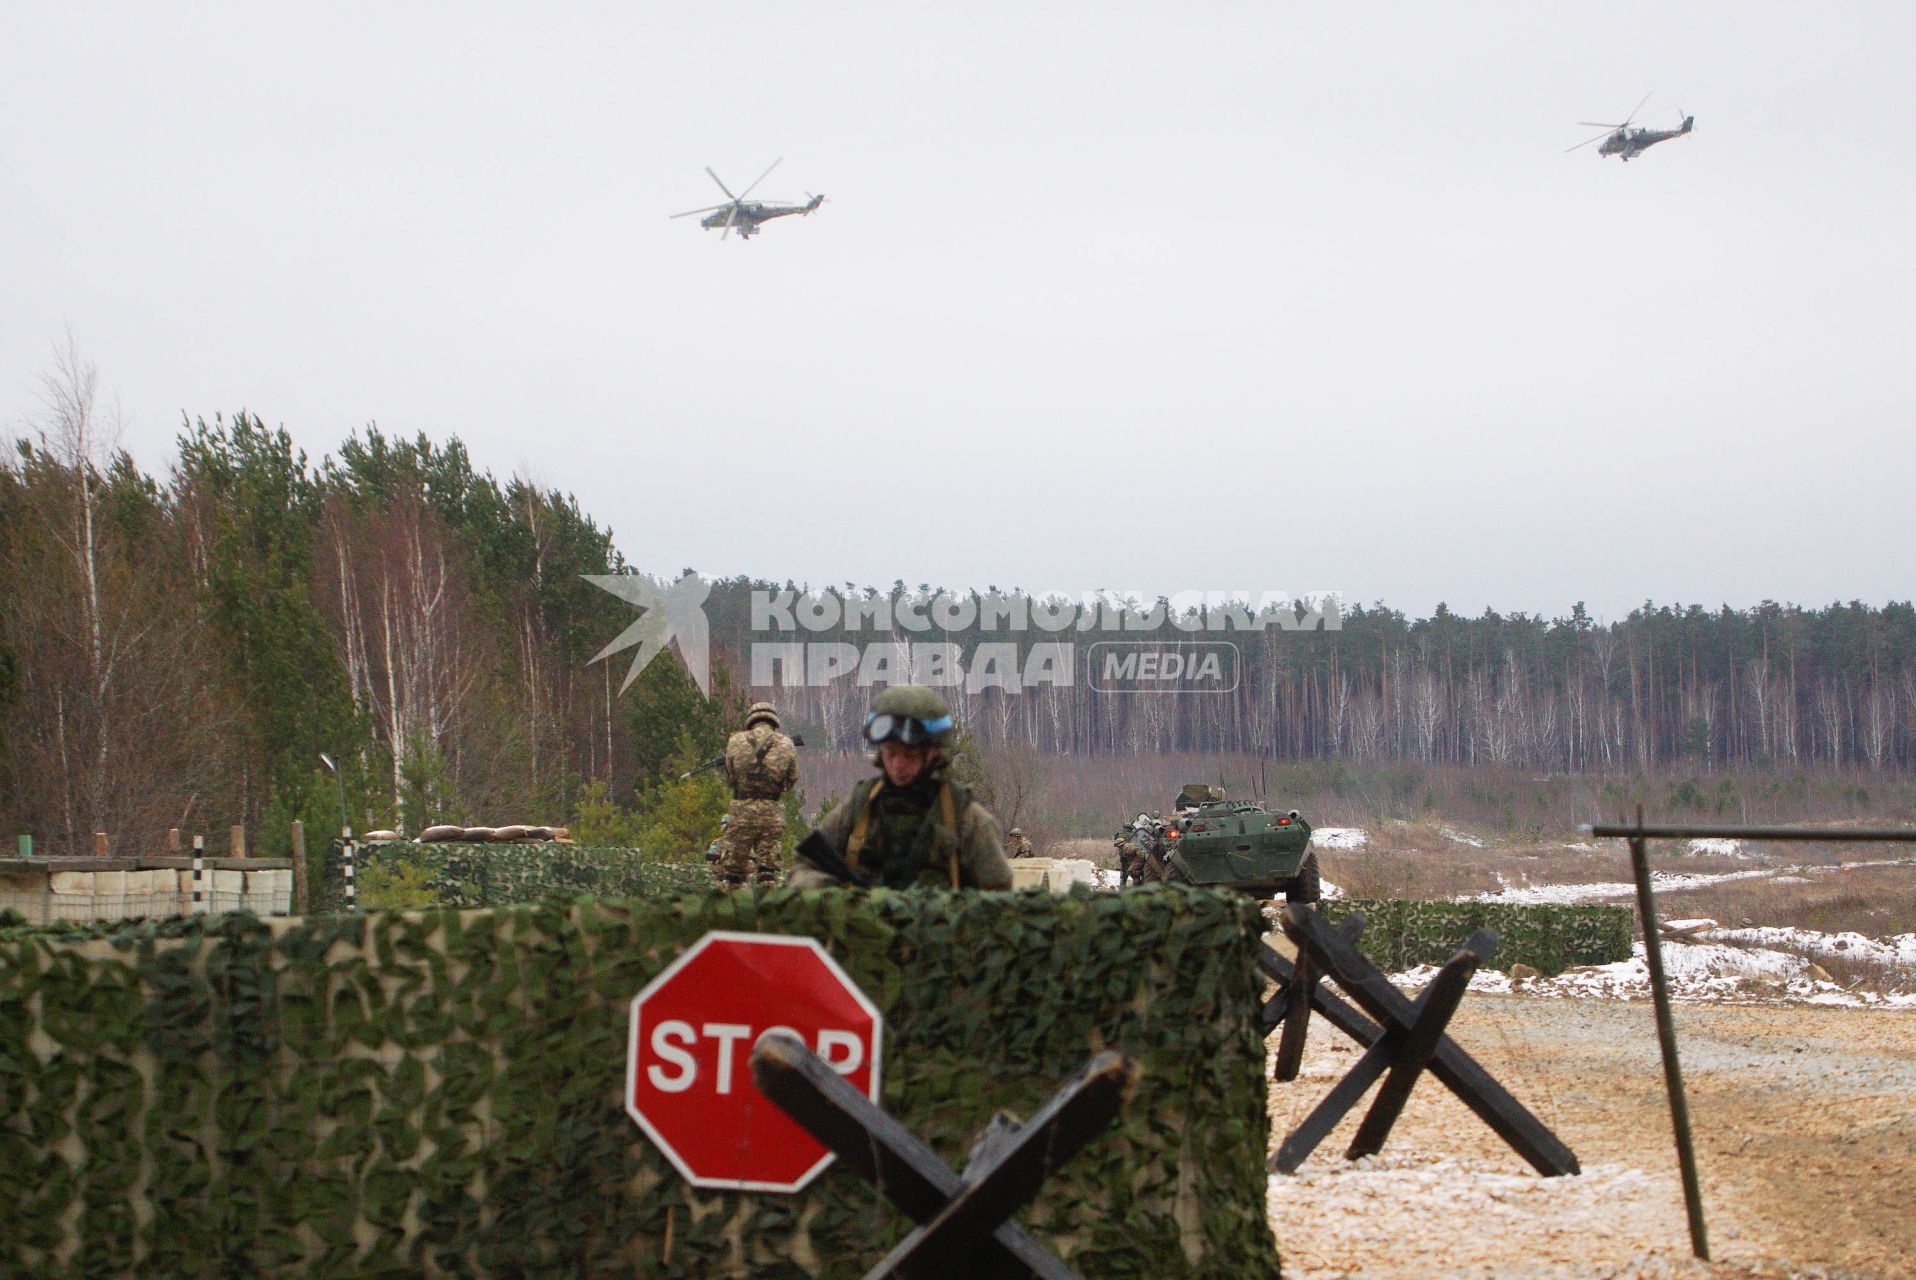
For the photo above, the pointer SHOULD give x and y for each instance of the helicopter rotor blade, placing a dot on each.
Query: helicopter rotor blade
(761, 177)
(729, 216)
(721, 186)
(1586, 142)
(1598, 124)
(710, 208)
(1633, 114)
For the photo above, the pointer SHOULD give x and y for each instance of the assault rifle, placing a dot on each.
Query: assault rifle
(818, 851)
(718, 761)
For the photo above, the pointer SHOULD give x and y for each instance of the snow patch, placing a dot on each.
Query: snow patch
(1661, 881)
(1339, 837)
(1431, 1197)
(1719, 848)
(1898, 952)
(1461, 837)
(1696, 972)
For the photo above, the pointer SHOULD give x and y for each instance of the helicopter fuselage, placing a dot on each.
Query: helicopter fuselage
(1629, 143)
(747, 215)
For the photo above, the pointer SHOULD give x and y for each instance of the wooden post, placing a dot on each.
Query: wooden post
(1666, 1040)
(1290, 1046)
(172, 839)
(299, 867)
(963, 1219)
(346, 852)
(99, 844)
(199, 875)
(236, 840)
(1334, 953)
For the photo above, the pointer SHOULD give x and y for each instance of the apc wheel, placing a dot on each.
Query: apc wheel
(1307, 886)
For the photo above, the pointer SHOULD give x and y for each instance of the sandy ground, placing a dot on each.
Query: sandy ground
(1806, 1140)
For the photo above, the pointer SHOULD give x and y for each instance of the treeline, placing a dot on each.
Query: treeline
(180, 650)
(1777, 685)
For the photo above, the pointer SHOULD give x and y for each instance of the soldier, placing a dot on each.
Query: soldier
(712, 850)
(912, 825)
(761, 765)
(1016, 845)
(1136, 843)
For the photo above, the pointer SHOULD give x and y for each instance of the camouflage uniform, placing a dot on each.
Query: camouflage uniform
(930, 833)
(906, 840)
(1017, 845)
(761, 765)
(1135, 844)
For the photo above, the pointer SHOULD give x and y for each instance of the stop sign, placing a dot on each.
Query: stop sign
(688, 1079)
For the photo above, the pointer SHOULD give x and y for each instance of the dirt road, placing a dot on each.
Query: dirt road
(1806, 1139)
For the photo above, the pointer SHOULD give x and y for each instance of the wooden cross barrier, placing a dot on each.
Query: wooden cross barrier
(963, 1227)
(1406, 1038)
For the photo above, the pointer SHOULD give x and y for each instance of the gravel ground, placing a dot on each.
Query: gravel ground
(1806, 1141)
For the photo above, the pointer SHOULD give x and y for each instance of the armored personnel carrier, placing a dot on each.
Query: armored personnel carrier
(1230, 845)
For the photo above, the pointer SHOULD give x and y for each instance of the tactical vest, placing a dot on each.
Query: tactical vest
(898, 847)
(745, 752)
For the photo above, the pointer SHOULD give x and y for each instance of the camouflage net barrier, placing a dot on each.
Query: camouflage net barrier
(1400, 934)
(407, 873)
(440, 1092)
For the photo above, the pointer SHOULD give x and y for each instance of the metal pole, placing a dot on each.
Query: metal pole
(1686, 831)
(298, 833)
(1666, 1037)
(346, 851)
(339, 778)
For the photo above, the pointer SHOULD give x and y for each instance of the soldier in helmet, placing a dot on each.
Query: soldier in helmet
(1017, 845)
(912, 825)
(761, 765)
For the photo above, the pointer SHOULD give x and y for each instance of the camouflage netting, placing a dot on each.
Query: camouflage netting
(1399, 933)
(439, 1092)
(407, 873)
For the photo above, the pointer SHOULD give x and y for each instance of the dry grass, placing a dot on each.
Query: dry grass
(1878, 901)
(1073, 796)
(1069, 807)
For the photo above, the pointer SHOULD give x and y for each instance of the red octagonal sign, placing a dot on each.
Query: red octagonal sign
(688, 1078)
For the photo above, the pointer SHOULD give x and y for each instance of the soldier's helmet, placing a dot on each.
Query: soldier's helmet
(911, 714)
(764, 711)
(1017, 831)
(725, 819)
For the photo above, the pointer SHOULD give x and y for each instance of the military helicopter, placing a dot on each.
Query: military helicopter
(743, 214)
(1622, 140)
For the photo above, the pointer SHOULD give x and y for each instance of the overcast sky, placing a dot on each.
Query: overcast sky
(1262, 296)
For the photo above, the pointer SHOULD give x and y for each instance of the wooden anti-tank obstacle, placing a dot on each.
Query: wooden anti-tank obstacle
(1400, 1036)
(963, 1218)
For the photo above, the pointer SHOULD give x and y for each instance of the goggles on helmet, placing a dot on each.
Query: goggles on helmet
(909, 730)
